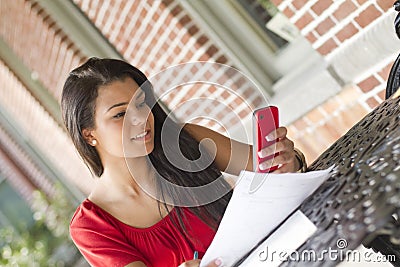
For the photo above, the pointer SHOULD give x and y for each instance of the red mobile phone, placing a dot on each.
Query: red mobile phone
(265, 120)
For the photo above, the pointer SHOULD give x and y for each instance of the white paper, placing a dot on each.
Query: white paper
(282, 243)
(250, 217)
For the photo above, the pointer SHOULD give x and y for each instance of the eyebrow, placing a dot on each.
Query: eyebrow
(117, 105)
(124, 103)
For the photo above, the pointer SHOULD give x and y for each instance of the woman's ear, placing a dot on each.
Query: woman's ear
(89, 137)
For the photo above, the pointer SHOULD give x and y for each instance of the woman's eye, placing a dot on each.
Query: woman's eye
(119, 115)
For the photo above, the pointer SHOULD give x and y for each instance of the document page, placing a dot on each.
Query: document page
(254, 212)
(282, 242)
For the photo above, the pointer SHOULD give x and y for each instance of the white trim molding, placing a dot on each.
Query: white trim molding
(367, 50)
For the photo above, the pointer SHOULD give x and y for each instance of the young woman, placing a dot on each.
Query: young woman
(131, 218)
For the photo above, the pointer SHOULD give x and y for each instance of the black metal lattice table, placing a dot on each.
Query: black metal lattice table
(356, 204)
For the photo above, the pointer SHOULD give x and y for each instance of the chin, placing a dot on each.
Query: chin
(134, 152)
(149, 149)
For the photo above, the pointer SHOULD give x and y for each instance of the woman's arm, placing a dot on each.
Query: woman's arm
(136, 264)
(232, 156)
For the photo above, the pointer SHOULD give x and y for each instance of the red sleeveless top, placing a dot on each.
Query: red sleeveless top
(105, 241)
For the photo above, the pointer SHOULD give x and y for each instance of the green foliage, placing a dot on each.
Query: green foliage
(46, 242)
(23, 249)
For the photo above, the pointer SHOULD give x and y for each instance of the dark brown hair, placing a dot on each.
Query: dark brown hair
(78, 109)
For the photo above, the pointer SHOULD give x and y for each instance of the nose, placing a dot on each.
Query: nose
(137, 117)
(136, 121)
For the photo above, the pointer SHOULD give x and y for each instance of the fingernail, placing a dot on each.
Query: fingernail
(261, 154)
(218, 262)
(262, 166)
(270, 137)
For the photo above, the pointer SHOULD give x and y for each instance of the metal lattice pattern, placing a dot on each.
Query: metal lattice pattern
(357, 201)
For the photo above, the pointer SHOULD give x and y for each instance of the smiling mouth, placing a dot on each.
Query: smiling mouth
(142, 136)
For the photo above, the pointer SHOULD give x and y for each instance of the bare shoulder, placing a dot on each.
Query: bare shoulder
(144, 211)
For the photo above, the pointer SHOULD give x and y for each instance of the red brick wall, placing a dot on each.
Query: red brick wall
(328, 25)
(38, 42)
(340, 20)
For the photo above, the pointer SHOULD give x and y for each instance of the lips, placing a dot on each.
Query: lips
(142, 135)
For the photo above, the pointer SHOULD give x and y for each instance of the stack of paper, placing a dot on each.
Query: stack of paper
(255, 211)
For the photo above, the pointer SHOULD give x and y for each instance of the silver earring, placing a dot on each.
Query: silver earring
(94, 142)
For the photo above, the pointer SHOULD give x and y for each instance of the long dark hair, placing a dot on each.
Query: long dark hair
(78, 109)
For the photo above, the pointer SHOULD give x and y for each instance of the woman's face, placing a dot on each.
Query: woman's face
(123, 121)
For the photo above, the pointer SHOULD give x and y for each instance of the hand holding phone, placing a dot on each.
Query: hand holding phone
(265, 121)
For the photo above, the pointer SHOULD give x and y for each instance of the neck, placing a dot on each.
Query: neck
(133, 176)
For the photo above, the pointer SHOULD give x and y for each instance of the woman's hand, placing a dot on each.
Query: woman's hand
(286, 159)
(196, 263)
